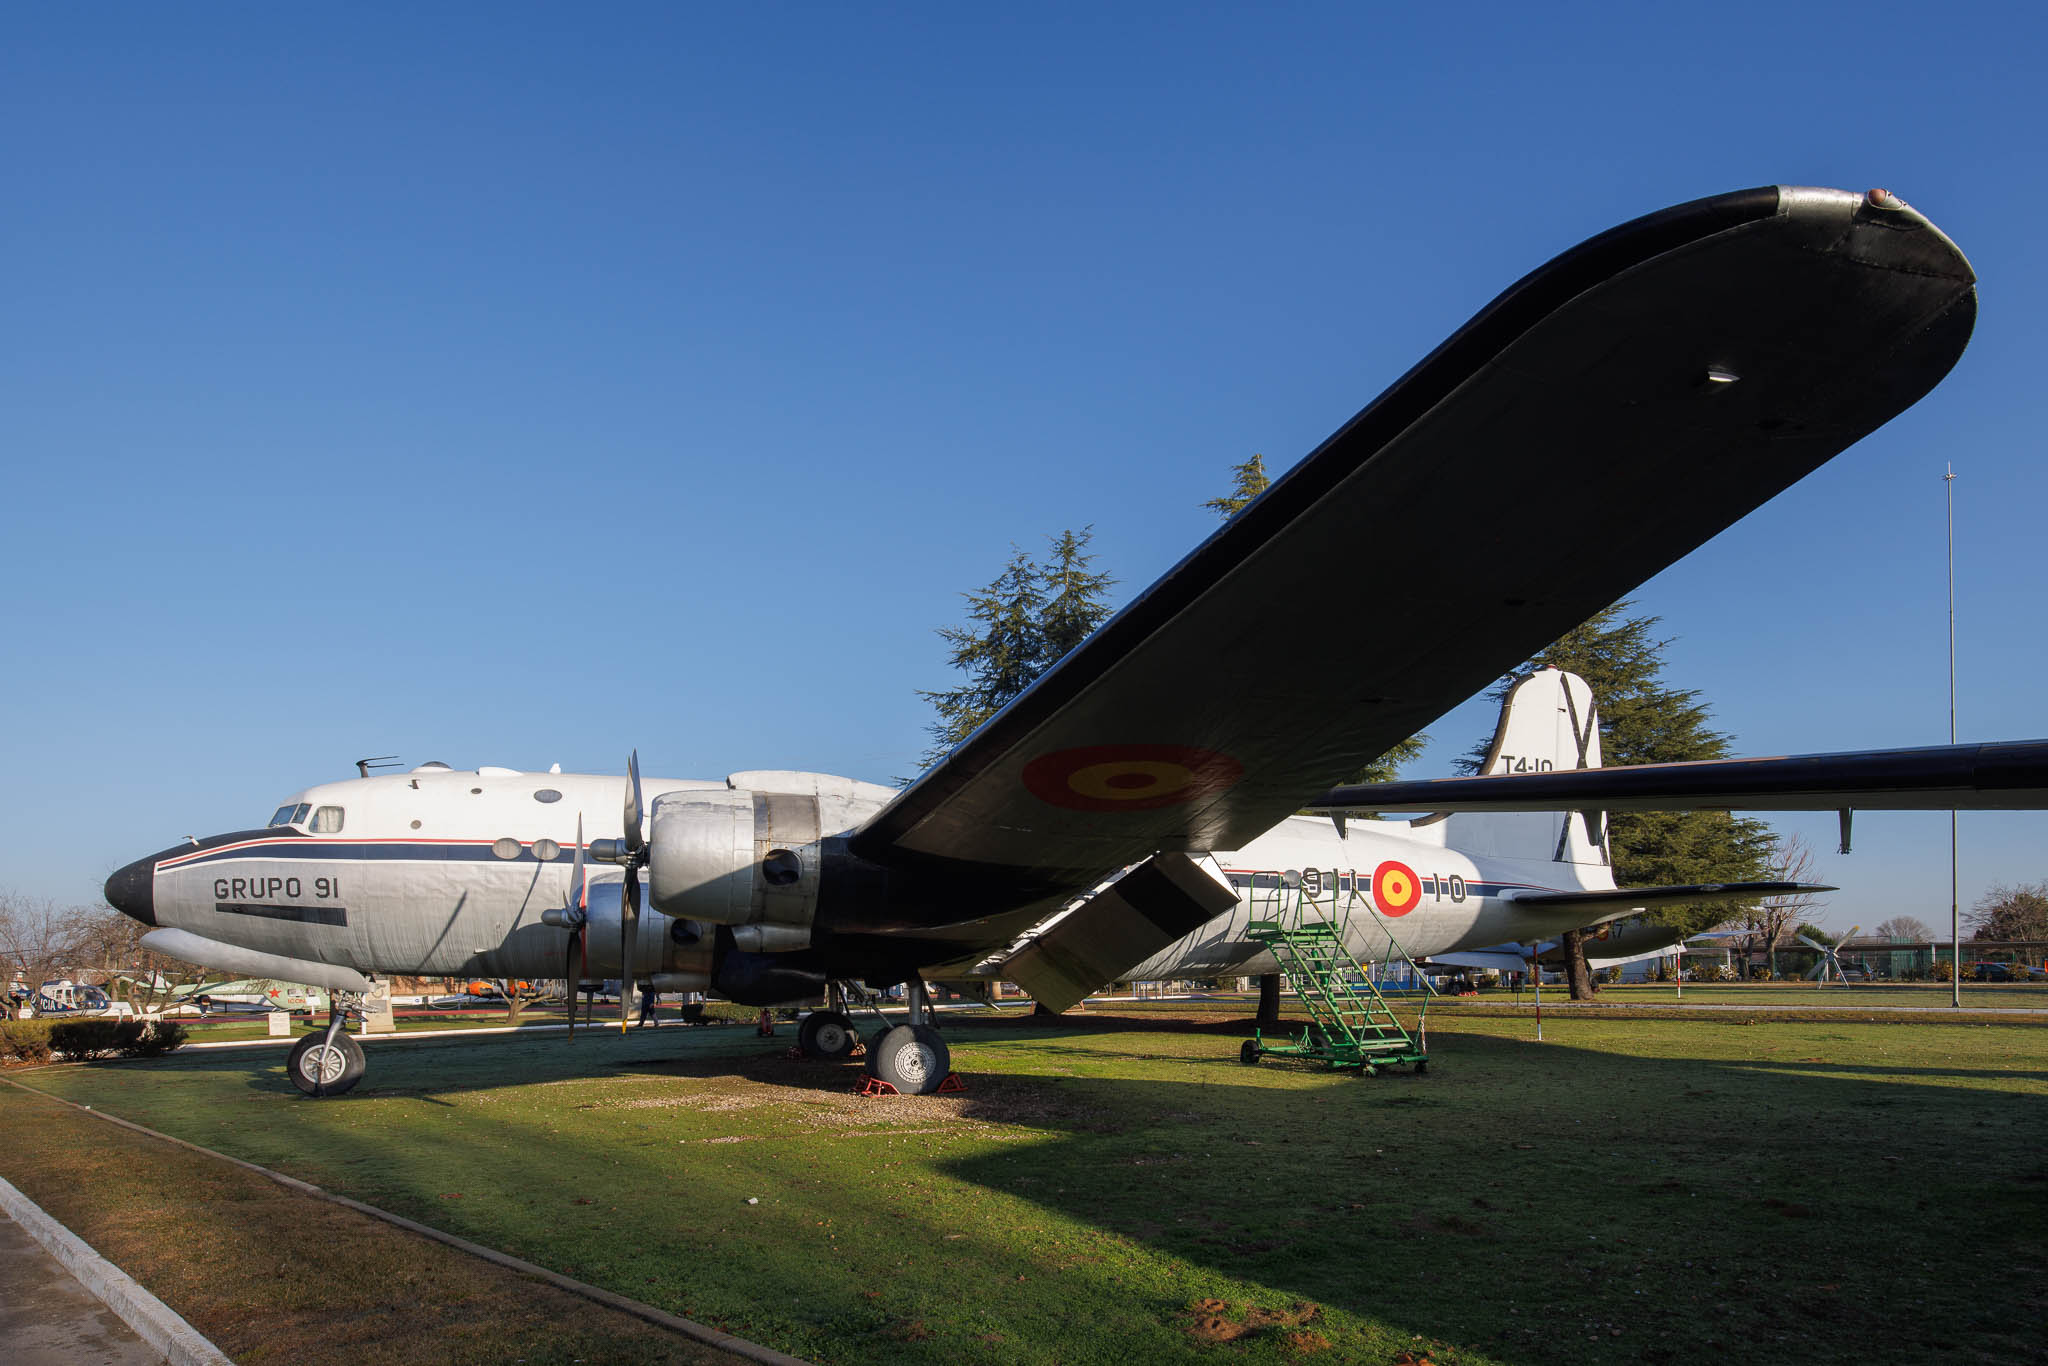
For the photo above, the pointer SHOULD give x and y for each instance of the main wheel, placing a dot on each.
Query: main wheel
(911, 1058)
(320, 1068)
(826, 1034)
(1249, 1054)
(874, 1050)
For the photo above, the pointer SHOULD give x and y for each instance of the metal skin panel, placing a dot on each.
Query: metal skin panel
(701, 857)
(1564, 446)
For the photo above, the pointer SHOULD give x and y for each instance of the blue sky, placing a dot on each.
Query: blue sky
(514, 385)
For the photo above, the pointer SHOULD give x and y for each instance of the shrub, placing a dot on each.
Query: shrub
(94, 1039)
(1762, 975)
(160, 1037)
(86, 1039)
(1944, 972)
(24, 1042)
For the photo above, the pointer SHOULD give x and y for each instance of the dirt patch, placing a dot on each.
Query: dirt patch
(1217, 1321)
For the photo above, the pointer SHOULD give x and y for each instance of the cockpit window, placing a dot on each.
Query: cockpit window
(326, 821)
(294, 815)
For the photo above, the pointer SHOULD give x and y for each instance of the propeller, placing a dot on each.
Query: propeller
(575, 918)
(630, 852)
(1830, 955)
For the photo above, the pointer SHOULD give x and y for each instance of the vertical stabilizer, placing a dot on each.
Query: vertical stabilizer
(1549, 722)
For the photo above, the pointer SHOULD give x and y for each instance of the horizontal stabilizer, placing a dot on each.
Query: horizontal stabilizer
(1621, 900)
(1143, 911)
(2007, 776)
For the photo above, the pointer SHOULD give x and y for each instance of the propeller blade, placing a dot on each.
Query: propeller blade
(572, 972)
(1822, 948)
(579, 890)
(629, 930)
(633, 807)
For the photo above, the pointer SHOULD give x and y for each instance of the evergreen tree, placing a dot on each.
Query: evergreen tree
(1021, 624)
(1074, 601)
(1645, 721)
(1248, 481)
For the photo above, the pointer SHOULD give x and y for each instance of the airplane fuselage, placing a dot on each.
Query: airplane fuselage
(446, 872)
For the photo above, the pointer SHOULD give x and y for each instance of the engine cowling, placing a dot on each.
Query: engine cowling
(745, 859)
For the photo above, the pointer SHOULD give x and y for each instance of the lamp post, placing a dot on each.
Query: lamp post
(1955, 921)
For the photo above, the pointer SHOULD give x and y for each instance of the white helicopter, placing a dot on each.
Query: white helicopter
(1602, 417)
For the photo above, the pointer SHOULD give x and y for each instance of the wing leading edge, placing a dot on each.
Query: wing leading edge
(1664, 378)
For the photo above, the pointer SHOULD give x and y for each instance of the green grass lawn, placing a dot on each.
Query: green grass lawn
(1119, 1188)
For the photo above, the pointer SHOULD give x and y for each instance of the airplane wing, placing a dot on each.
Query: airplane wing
(1621, 900)
(2008, 776)
(1591, 425)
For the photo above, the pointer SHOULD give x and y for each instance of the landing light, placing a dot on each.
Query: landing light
(1721, 374)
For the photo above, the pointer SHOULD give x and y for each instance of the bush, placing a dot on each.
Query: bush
(1944, 972)
(24, 1042)
(94, 1039)
(1762, 975)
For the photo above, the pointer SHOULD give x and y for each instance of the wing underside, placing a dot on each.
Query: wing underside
(2007, 776)
(1601, 418)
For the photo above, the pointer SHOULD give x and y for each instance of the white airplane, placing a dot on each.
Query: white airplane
(1598, 420)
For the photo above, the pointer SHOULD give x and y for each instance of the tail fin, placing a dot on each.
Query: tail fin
(1548, 722)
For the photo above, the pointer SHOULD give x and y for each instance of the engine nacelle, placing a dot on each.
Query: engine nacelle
(737, 858)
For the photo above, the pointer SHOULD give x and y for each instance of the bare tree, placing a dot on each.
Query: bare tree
(1907, 928)
(2012, 912)
(108, 945)
(38, 938)
(1764, 927)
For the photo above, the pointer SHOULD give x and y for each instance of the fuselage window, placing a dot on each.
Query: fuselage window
(546, 850)
(327, 821)
(547, 794)
(506, 848)
(291, 815)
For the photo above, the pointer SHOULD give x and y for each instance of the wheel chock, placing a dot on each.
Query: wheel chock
(875, 1086)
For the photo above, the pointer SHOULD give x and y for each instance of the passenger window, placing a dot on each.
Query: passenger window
(327, 821)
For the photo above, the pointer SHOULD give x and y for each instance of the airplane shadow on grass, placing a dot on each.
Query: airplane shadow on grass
(1549, 1203)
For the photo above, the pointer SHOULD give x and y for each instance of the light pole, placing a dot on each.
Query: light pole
(1955, 921)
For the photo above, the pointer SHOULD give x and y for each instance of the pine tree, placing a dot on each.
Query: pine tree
(1074, 597)
(1644, 721)
(1024, 621)
(1249, 480)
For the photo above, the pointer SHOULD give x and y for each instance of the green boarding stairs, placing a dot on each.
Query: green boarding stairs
(1350, 1023)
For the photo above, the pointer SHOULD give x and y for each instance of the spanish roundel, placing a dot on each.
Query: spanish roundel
(1395, 888)
(1128, 777)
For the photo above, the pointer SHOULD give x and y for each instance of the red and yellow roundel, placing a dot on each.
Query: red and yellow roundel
(1128, 777)
(1396, 888)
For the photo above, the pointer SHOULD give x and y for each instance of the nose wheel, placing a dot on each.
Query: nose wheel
(826, 1035)
(320, 1066)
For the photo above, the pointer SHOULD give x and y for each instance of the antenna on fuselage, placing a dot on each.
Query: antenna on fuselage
(363, 766)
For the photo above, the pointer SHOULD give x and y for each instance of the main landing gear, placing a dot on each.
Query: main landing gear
(912, 1058)
(329, 1063)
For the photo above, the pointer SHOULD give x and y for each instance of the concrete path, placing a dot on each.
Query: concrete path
(48, 1318)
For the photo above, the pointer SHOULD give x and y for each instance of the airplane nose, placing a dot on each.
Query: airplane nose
(132, 890)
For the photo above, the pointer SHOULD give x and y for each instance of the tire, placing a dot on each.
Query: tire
(1249, 1055)
(318, 1069)
(827, 1035)
(911, 1058)
(874, 1050)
